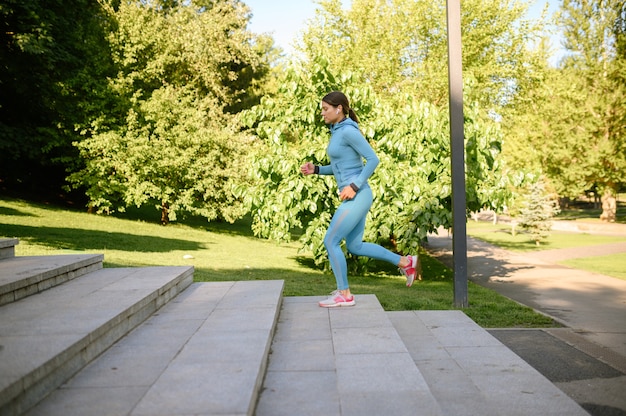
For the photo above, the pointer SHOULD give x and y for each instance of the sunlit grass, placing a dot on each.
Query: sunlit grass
(502, 236)
(229, 252)
(613, 265)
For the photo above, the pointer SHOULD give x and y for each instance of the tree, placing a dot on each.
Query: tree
(571, 125)
(168, 153)
(548, 133)
(401, 47)
(590, 33)
(55, 64)
(536, 210)
(577, 133)
(412, 185)
(395, 73)
(172, 139)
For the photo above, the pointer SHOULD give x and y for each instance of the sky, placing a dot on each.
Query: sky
(285, 19)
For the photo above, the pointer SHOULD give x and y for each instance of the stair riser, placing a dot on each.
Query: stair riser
(37, 284)
(264, 364)
(7, 247)
(7, 252)
(27, 392)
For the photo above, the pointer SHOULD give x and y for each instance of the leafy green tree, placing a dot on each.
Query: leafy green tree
(620, 31)
(401, 47)
(573, 127)
(169, 153)
(411, 185)
(55, 63)
(172, 139)
(390, 58)
(618, 76)
(541, 136)
(405, 53)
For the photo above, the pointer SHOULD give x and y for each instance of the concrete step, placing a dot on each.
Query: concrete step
(204, 353)
(343, 361)
(24, 276)
(472, 373)
(7, 247)
(47, 338)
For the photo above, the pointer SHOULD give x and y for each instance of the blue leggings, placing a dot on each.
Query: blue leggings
(349, 223)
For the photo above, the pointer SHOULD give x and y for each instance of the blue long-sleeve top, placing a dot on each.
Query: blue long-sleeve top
(347, 149)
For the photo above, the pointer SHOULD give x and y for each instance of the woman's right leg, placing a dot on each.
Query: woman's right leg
(339, 226)
(349, 216)
(332, 241)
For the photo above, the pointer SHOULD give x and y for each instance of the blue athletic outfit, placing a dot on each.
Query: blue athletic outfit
(346, 150)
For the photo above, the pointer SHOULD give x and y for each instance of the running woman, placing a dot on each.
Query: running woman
(347, 149)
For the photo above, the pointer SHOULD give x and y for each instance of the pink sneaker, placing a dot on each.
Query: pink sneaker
(412, 270)
(337, 299)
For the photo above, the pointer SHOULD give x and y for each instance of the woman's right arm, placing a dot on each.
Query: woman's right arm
(309, 168)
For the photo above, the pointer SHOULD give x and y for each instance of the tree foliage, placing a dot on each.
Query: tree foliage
(412, 184)
(573, 125)
(171, 139)
(401, 47)
(537, 208)
(54, 67)
(390, 58)
(546, 135)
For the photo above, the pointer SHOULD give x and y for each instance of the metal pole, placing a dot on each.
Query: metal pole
(457, 148)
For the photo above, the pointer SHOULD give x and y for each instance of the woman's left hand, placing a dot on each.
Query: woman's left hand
(347, 193)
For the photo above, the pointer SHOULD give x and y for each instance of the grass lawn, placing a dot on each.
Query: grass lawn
(612, 265)
(501, 236)
(230, 252)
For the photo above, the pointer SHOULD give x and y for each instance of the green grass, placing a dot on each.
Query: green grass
(230, 252)
(500, 235)
(611, 265)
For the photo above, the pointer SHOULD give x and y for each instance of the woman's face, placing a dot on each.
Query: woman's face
(331, 113)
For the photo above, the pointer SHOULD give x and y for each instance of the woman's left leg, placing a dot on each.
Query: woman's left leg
(354, 239)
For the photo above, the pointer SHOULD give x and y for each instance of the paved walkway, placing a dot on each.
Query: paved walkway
(592, 306)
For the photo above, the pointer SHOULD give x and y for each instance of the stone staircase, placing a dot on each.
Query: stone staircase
(77, 339)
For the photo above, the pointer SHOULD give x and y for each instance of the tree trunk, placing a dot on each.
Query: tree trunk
(609, 207)
(165, 216)
(394, 242)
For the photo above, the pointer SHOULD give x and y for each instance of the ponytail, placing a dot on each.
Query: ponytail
(352, 115)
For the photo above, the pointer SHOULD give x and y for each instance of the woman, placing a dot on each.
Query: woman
(347, 149)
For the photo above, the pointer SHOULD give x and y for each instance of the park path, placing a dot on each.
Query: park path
(592, 304)
(554, 256)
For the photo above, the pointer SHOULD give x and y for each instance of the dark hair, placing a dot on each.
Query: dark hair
(337, 98)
